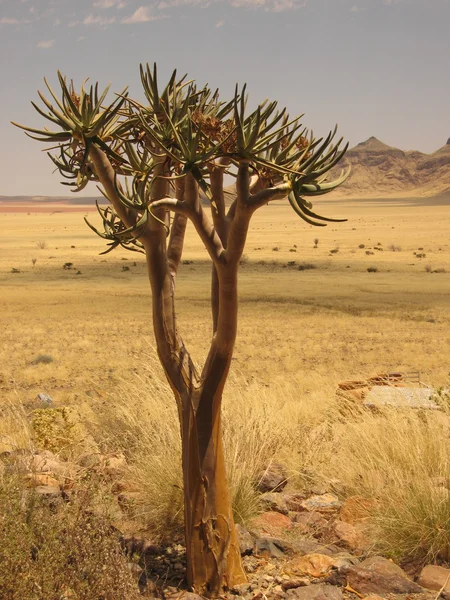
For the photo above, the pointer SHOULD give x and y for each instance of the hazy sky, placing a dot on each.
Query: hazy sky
(375, 67)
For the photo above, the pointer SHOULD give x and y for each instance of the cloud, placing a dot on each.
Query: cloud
(102, 21)
(141, 15)
(45, 44)
(109, 4)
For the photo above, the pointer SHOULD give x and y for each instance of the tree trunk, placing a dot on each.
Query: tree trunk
(212, 548)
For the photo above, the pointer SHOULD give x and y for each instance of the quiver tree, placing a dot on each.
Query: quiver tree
(160, 164)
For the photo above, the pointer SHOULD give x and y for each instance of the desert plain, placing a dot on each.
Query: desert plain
(309, 314)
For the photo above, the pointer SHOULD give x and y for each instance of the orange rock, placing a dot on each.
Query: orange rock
(315, 565)
(433, 577)
(352, 536)
(271, 523)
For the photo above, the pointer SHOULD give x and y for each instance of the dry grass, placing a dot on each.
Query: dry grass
(261, 424)
(400, 459)
(300, 333)
(63, 550)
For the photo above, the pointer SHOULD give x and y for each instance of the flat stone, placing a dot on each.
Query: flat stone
(433, 577)
(378, 575)
(272, 523)
(400, 397)
(322, 503)
(321, 591)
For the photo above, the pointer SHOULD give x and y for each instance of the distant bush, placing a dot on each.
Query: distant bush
(41, 244)
(334, 250)
(394, 248)
(372, 270)
(275, 249)
(306, 266)
(428, 268)
(362, 246)
(42, 359)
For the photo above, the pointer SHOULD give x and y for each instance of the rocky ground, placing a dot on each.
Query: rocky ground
(307, 545)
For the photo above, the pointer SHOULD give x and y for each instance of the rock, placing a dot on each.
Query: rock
(44, 400)
(378, 575)
(273, 479)
(294, 501)
(356, 509)
(315, 565)
(352, 536)
(401, 397)
(309, 522)
(241, 589)
(303, 547)
(433, 577)
(245, 540)
(272, 523)
(323, 503)
(291, 584)
(268, 547)
(90, 460)
(275, 502)
(321, 591)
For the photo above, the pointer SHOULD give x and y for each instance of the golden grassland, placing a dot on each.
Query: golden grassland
(84, 336)
(329, 323)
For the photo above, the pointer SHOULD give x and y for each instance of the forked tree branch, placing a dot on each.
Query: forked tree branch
(177, 234)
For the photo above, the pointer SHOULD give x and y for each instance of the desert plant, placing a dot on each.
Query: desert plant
(372, 270)
(361, 246)
(334, 250)
(155, 160)
(316, 242)
(41, 244)
(59, 549)
(33, 260)
(305, 266)
(428, 268)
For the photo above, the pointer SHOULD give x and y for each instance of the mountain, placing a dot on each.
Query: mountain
(379, 170)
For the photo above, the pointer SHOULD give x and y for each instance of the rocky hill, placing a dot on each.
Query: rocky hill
(379, 170)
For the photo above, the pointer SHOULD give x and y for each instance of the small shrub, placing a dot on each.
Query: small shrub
(125, 268)
(292, 250)
(292, 263)
(394, 248)
(440, 270)
(369, 252)
(306, 266)
(67, 265)
(275, 249)
(41, 244)
(334, 251)
(59, 550)
(362, 246)
(372, 270)
(14, 270)
(420, 255)
(33, 260)
(428, 269)
(316, 242)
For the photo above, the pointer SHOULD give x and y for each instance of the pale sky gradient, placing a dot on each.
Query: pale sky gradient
(375, 67)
